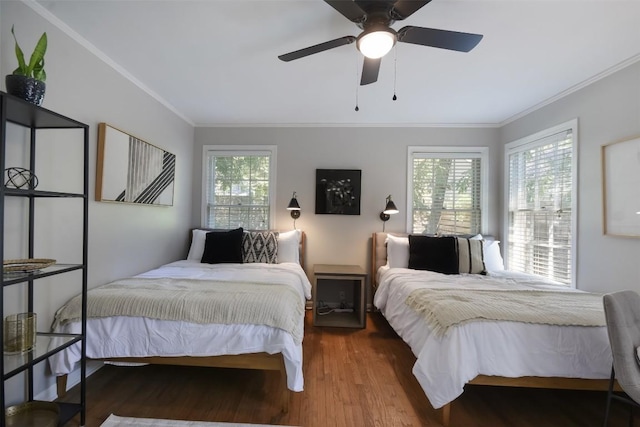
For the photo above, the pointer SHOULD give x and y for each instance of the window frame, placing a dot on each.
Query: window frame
(455, 152)
(241, 150)
(532, 141)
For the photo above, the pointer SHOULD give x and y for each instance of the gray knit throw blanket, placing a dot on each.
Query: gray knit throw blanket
(445, 308)
(195, 301)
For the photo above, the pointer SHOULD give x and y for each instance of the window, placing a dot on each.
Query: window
(446, 190)
(541, 185)
(238, 187)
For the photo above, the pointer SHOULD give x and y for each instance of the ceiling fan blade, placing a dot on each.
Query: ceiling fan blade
(348, 9)
(402, 9)
(317, 48)
(370, 70)
(443, 39)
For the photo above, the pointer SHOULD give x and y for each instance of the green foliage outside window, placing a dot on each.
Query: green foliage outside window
(239, 191)
(446, 195)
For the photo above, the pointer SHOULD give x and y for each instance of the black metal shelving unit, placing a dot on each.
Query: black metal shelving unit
(16, 111)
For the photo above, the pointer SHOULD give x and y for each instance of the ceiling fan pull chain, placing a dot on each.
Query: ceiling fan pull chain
(395, 72)
(357, 85)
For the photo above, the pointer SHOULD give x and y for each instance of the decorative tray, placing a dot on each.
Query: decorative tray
(32, 414)
(26, 265)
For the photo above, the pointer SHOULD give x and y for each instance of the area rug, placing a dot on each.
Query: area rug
(116, 421)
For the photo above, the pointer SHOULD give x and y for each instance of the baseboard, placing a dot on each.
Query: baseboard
(51, 393)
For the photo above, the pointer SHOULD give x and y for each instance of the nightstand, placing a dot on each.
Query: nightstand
(339, 296)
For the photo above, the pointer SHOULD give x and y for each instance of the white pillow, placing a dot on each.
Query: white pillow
(492, 258)
(198, 238)
(397, 251)
(289, 246)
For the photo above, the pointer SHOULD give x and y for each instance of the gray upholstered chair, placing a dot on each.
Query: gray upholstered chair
(622, 312)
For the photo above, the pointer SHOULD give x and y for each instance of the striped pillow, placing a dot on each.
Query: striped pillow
(470, 256)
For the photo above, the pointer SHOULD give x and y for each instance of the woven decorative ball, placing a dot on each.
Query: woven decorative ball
(20, 178)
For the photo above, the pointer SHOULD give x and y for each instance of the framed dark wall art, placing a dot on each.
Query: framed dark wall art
(621, 188)
(338, 191)
(130, 170)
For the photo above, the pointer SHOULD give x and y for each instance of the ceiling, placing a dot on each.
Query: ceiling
(215, 62)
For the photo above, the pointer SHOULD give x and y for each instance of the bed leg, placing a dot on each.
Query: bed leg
(285, 390)
(285, 401)
(61, 385)
(446, 415)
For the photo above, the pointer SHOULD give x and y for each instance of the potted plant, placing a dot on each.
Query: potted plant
(28, 80)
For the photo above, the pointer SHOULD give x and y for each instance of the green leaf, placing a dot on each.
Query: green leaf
(22, 66)
(37, 57)
(18, 72)
(39, 73)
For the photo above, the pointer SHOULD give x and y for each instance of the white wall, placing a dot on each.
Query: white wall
(381, 154)
(123, 239)
(607, 111)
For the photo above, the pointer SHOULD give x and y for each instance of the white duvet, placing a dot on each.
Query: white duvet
(508, 349)
(141, 337)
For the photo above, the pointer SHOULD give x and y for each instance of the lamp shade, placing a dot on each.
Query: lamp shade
(376, 42)
(390, 209)
(293, 204)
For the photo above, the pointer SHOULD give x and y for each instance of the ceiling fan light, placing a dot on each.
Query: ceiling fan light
(376, 44)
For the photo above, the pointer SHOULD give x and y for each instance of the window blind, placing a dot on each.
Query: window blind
(446, 193)
(540, 181)
(238, 190)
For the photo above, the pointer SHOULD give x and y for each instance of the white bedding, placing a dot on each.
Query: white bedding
(141, 337)
(508, 349)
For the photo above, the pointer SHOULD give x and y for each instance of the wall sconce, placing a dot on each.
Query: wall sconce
(389, 209)
(294, 208)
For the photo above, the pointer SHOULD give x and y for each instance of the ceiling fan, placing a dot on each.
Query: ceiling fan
(375, 18)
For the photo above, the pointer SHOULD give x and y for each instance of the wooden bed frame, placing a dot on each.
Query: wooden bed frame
(379, 258)
(260, 361)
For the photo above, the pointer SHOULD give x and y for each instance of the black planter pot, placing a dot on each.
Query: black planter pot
(27, 88)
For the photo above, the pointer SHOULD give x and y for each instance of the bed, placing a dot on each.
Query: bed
(247, 314)
(451, 353)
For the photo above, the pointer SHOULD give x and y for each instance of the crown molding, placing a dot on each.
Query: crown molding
(348, 125)
(54, 20)
(572, 89)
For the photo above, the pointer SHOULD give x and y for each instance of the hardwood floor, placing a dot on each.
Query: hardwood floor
(352, 378)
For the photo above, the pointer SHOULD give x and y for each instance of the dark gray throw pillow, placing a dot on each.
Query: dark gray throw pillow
(223, 247)
(437, 254)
